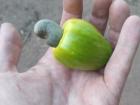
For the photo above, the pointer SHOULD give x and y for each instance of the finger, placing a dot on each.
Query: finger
(120, 63)
(10, 47)
(72, 9)
(100, 13)
(119, 12)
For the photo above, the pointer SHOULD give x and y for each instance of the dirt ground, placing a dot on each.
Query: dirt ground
(24, 14)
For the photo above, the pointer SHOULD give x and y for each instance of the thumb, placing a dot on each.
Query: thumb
(10, 47)
(120, 63)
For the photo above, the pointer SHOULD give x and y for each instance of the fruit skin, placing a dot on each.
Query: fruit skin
(82, 46)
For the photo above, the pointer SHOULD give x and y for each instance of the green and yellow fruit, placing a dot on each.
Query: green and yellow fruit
(79, 44)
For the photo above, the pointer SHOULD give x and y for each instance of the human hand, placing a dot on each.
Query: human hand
(50, 83)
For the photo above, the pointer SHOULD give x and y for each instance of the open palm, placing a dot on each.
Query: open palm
(50, 83)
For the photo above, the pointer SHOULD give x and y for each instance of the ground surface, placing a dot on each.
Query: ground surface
(24, 13)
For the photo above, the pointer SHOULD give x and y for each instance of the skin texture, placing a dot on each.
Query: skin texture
(49, 83)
